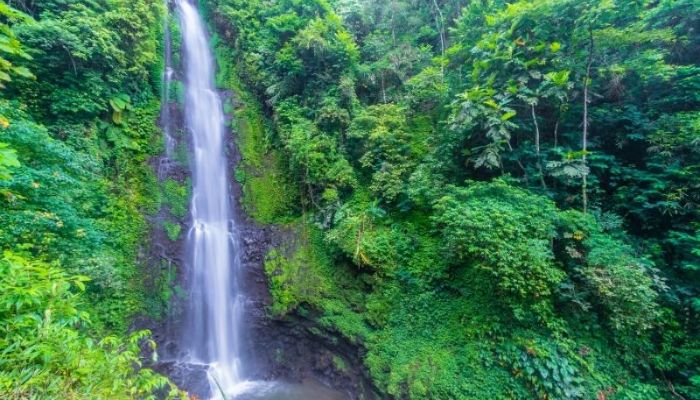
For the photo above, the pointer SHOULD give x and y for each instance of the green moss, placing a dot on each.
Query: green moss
(268, 194)
(339, 364)
(303, 276)
(157, 67)
(178, 91)
(298, 277)
(181, 151)
(175, 42)
(265, 198)
(176, 196)
(172, 229)
(165, 288)
(133, 195)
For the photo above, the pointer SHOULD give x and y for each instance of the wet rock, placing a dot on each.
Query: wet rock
(293, 349)
(190, 376)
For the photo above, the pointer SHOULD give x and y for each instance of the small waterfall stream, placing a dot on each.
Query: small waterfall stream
(165, 117)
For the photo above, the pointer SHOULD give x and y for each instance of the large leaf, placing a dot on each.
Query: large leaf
(8, 159)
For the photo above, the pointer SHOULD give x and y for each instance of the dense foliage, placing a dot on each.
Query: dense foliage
(497, 199)
(493, 198)
(78, 108)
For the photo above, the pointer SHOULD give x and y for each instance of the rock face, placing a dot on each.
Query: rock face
(294, 349)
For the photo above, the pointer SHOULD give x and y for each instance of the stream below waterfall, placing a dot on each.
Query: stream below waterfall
(212, 333)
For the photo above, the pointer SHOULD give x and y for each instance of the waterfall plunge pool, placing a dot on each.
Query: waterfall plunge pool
(263, 390)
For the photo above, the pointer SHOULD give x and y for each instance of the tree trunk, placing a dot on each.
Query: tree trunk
(537, 147)
(586, 100)
(383, 89)
(440, 24)
(520, 164)
(393, 27)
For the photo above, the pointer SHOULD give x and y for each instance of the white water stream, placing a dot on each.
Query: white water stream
(215, 312)
(212, 333)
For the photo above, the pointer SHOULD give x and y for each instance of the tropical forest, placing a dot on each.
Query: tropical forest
(350, 199)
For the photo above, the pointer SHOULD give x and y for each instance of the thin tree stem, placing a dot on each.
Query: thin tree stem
(537, 147)
(441, 29)
(586, 100)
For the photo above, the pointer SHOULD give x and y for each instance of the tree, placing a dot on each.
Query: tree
(46, 355)
(507, 233)
(387, 146)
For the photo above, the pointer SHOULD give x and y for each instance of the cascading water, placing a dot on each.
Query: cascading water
(213, 331)
(165, 117)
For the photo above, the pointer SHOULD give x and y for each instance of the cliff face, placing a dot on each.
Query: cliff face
(290, 348)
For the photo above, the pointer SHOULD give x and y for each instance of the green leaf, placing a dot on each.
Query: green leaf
(8, 160)
(23, 72)
(508, 115)
(117, 117)
(120, 102)
(491, 103)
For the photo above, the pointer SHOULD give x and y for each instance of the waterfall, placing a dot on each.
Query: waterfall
(212, 327)
(212, 333)
(165, 117)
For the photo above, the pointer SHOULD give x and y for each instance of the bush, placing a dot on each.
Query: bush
(506, 232)
(45, 353)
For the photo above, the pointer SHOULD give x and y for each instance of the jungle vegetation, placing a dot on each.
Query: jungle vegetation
(493, 199)
(496, 199)
(79, 102)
